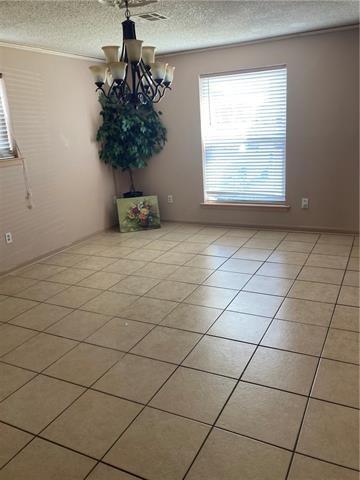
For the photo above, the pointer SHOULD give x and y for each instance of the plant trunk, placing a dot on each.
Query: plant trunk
(132, 192)
(132, 186)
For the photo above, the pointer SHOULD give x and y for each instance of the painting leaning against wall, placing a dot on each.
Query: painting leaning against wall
(139, 213)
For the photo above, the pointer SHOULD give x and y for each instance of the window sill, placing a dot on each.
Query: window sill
(12, 162)
(258, 206)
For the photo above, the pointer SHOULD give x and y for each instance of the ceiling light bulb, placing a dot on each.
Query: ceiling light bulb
(111, 53)
(133, 50)
(99, 72)
(118, 70)
(169, 75)
(158, 70)
(148, 55)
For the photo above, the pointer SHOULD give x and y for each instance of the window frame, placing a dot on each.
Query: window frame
(14, 157)
(266, 204)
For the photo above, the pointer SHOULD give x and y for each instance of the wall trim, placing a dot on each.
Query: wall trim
(354, 26)
(46, 51)
(285, 228)
(50, 253)
(301, 228)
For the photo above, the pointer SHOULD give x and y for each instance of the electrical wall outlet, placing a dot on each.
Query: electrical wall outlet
(304, 203)
(8, 237)
(170, 199)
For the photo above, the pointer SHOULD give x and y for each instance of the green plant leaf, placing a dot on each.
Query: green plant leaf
(129, 135)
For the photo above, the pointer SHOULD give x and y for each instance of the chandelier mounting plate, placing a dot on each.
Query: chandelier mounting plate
(122, 3)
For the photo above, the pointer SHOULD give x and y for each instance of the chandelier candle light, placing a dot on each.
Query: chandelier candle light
(134, 77)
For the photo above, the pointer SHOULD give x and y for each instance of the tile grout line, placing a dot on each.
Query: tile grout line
(153, 396)
(232, 391)
(85, 390)
(313, 381)
(175, 414)
(161, 386)
(37, 374)
(75, 308)
(247, 239)
(240, 379)
(98, 461)
(36, 330)
(129, 352)
(43, 373)
(79, 308)
(175, 226)
(166, 278)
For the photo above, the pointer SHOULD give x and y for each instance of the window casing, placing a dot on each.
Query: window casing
(7, 147)
(243, 124)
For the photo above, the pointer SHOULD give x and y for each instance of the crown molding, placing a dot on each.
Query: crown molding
(46, 51)
(289, 36)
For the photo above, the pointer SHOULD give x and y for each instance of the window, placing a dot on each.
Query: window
(243, 120)
(7, 149)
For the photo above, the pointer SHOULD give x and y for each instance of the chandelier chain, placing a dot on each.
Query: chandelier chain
(127, 11)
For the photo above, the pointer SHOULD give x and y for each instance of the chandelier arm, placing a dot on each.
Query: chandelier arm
(157, 100)
(159, 90)
(101, 89)
(140, 88)
(122, 56)
(149, 77)
(124, 92)
(152, 81)
(162, 92)
(140, 76)
(154, 86)
(134, 75)
(160, 95)
(112, 85)
(145, 70)
(113, 90)
(146, 98)
(149, 95)
(150, 85)
(117, 92)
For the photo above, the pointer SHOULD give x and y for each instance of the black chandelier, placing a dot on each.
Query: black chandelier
(133, 77)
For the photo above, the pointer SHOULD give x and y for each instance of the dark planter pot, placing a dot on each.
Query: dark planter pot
(132, 194)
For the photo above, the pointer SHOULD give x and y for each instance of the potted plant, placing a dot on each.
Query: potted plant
(129, 136)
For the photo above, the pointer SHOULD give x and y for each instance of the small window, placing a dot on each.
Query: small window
(243, 123)
(7, 147)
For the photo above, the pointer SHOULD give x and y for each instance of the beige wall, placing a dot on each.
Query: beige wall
(322, 135)
(55, 114)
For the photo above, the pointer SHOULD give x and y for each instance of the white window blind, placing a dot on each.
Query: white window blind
(243, 120)
(6, 147)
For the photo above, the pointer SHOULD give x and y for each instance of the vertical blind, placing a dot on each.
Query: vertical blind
(243, 123)
(6, 150)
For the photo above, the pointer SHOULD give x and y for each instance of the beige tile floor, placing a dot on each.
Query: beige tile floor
(190, 352)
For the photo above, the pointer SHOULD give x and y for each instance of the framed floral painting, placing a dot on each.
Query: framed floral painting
(138, 213)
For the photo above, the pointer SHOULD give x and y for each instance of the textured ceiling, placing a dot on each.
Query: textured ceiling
(82, 27)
